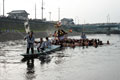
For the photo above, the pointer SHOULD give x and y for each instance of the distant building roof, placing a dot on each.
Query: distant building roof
(18, 12)
(67, 19)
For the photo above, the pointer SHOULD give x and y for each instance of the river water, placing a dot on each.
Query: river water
(102, 63)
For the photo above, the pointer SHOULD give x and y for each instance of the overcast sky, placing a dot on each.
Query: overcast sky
(88, 11)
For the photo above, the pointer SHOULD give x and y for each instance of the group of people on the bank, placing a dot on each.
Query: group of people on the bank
(60, 38)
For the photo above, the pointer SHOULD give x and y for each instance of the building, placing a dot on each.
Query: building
(67, 21)
(18, 14)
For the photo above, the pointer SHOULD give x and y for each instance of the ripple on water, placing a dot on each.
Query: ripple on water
(100, 63)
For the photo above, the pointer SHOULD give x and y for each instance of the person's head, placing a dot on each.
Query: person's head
(47, 38)
(108, 42)
(31, 33)
(41, 39)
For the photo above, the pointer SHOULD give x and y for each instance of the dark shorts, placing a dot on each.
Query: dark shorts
(30, 45)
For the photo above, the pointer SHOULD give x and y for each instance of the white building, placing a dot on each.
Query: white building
(18, 14)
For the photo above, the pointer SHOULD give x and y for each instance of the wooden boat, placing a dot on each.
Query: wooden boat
(48, 50)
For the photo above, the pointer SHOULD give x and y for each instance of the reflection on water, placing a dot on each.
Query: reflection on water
(45, 59)
(30, 73)
(88, 63)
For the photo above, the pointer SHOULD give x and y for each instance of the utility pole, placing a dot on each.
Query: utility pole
(77, 20)
(3, 8)
(50, 16)
(84, 21)
(108, 18)
(35, 10)
(42, 10)
(58, 14)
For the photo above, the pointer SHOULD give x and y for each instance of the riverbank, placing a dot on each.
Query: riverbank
(8, 36)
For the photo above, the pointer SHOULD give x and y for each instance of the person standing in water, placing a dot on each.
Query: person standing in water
(83, 36)
(30, 42)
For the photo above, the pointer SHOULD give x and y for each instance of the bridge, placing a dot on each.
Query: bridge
(102, 27)
(109, 25)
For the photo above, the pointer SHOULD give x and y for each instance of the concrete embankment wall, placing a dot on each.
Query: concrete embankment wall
(8, 36)
(16, 24)
(13, 29)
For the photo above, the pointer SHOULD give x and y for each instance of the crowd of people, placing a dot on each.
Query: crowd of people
(67, 42)
(60, 39)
